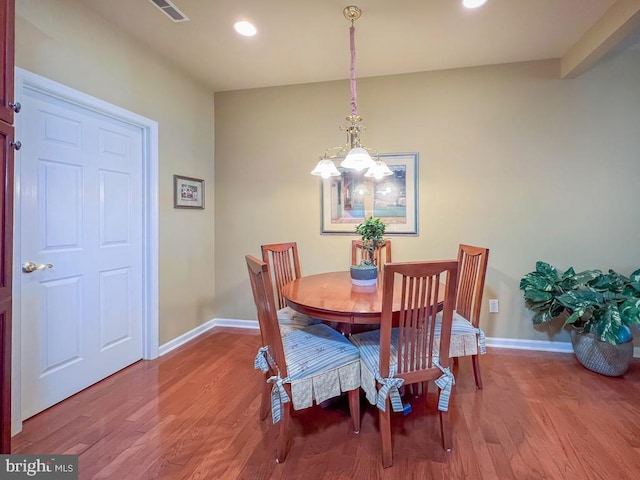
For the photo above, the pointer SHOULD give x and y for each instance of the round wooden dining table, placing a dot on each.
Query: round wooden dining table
(332, 297)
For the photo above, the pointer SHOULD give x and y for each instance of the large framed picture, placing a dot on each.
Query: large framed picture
(350, 198)
(188, 192)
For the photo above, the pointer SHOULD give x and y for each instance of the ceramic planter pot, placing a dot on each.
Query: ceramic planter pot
(364, 275)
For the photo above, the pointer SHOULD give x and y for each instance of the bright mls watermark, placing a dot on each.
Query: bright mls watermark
(49, 467)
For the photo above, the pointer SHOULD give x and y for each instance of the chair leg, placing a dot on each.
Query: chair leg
(385, 435)
(265, 404)
(345, 329)
(417, 389)
(283, 441)
(424, 388)
(354, 408)
(445, 430)
(476, 371)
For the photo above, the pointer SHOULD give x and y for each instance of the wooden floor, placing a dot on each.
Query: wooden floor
(193, 414)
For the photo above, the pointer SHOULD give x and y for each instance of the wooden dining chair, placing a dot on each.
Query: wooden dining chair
(381, 255)
(284, 267)
(410, 353)
(466, 319)
(308, 365)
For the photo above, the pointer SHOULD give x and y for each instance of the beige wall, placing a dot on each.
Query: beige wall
(511, 158)
(65, 42)
(535, 167)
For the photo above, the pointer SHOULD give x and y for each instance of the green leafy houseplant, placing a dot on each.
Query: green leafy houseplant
(603, 304)
(371, 230)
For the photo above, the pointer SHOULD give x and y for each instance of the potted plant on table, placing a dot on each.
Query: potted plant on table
(371, 230)
(599, 307)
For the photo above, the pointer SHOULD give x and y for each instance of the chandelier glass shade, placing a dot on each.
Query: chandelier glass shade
(358, 159)
(326, 168)
(356, 156)
(378, 170)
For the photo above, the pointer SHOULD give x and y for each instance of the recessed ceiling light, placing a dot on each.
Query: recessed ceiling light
(473, 3)
(245, 28)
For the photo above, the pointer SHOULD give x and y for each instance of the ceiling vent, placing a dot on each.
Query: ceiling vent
(170, 10)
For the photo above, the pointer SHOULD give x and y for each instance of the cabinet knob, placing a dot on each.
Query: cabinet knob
(16, 106)
(16, 145)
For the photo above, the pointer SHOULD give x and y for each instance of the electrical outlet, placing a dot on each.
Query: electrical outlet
(493, 305)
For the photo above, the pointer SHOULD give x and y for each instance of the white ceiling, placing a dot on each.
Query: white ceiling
(301, 41)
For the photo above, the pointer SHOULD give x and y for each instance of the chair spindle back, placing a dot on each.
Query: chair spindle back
(284, 264)
(473, 270)
(415, 287)
(263, 297)
(381, 256)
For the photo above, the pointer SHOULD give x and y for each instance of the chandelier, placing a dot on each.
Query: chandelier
(356, 156)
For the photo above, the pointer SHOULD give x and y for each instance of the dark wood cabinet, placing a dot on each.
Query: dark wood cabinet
(7, 25)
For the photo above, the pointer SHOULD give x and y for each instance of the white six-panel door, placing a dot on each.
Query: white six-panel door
(81, 211)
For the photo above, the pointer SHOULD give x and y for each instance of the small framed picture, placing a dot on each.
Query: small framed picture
(188, 192)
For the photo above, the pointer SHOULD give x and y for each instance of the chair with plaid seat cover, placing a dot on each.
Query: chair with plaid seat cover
(410, 353)
(465, 331)
(307, 365)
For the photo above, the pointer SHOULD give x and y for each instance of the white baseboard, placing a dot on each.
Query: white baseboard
(185, 337)
(492, 342)
(235, 323)
(537, 345)
(205, 327)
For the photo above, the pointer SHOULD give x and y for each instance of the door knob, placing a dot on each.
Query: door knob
(16, 106)
(29, 267)
(17, 145)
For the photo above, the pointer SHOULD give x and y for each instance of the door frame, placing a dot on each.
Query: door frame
(25, 80)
